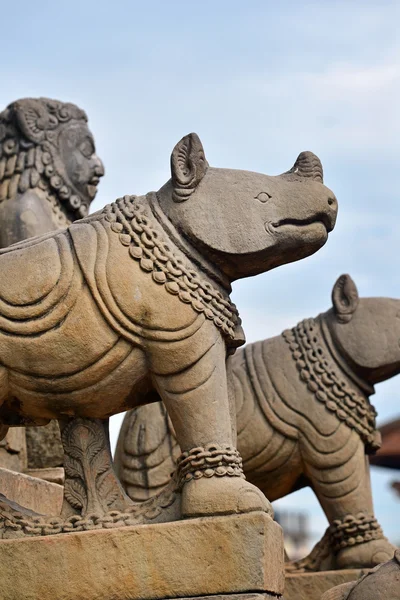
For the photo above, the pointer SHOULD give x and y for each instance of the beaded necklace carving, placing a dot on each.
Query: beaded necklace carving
(319, 373)
(150, 247)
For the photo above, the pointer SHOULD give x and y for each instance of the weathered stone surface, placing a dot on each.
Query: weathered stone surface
(253, 596)
(303, 418)
(197, 557)
(381, 583)
(48, 177)
(138, 295)
(35, 494)
(311, 586)
(44, 446)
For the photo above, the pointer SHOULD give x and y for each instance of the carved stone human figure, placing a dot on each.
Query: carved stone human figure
(136, 297)
(49, 173)
(49, 169)
(303, 418)
(381, 583)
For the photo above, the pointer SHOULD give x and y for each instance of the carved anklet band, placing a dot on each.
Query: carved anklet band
(354, 530)
(209, 461)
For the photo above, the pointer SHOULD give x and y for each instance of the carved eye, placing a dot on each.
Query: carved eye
(87, 148)
(263, 197)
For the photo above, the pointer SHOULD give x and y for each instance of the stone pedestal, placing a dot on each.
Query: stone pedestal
(239, 556)
(311, 586)
(36, 494)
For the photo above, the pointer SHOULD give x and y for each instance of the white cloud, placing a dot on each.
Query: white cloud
(353, 79)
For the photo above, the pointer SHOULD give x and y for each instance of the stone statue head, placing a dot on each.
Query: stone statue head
(244, 222)
(46, 144)
(366, 330)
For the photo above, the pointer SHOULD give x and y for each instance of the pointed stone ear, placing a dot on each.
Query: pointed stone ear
(344, 298)
(188, 166)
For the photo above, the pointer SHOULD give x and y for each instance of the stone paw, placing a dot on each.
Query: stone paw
(222, 496)
(367, 555)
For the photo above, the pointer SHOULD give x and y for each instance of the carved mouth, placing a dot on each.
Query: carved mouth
(321, 218)
(94, 180)
(92, 186)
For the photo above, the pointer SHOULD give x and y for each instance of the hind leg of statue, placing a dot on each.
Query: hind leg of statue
(209, 471)
(344, 491)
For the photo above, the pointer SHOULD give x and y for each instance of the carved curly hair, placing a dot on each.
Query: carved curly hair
(29, 131)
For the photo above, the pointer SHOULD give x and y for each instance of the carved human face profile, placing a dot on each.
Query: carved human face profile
(46, 146)
(79, 161)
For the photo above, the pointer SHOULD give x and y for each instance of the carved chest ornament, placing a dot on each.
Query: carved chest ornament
(132, 218)
(319, 373)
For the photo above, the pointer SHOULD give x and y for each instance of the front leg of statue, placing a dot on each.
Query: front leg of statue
(209, 471)
(344, 490)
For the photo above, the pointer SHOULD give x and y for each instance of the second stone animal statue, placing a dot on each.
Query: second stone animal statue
(303, 418)
(136, 297)
(381, 583)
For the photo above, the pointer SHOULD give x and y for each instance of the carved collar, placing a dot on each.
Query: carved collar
(364, 386)
(159, 255)
(186, 247)
(320, 373)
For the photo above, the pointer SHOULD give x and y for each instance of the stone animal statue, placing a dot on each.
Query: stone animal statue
(135, 298)
(303, 418)
(381, 583)
(49, 172)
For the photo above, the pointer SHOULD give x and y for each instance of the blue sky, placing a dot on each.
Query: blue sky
(259, 81)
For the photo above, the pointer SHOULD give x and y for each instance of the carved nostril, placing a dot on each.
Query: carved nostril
(331, 201)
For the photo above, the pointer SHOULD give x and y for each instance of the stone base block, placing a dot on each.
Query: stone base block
(311, 586)
(33, 493)
(234, 556)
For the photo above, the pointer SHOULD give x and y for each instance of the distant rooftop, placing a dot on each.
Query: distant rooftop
(389, 454)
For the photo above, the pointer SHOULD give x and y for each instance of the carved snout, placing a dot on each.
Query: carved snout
(307, 165)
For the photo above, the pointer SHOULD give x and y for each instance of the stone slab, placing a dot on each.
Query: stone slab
(31, 492)
(311, 586)
(51, 474)
(237, 554)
